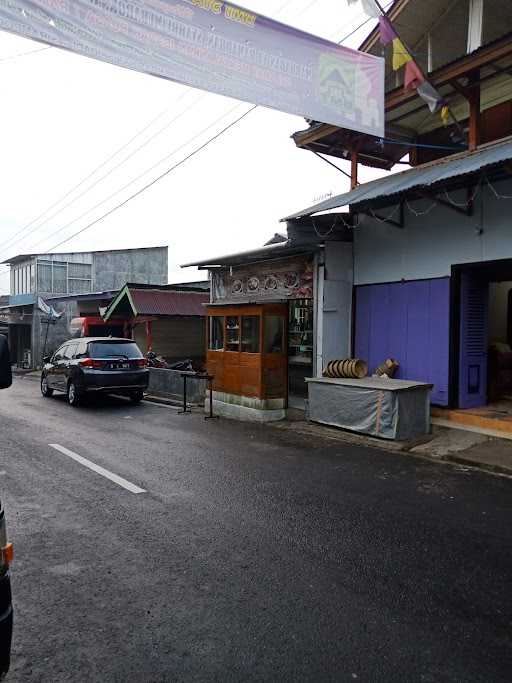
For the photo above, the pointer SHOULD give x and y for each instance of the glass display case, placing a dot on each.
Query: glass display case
(247, 351)
(300, 332)
(300, 346)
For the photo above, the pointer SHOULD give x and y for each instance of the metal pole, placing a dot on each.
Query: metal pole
(211, 416)
(45, 340)
(181, 412)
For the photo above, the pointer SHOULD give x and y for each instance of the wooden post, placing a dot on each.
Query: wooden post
(353, 168)
(149, 336)
(474, 111)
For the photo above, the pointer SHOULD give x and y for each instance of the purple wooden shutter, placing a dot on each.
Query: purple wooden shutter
(474, 312)
(409, 321)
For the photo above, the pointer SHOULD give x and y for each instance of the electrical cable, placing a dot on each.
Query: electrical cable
(358, 28)
(495, 191)
(158, 178)
(25, 54)
(421, 145)
(9, 241)
(114, 168)
(141, 175)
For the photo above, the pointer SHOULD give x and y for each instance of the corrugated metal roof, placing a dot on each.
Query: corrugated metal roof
(286, 248)
(159, 302)
(424, 176)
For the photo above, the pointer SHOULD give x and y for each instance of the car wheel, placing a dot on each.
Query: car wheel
(137, 396)
(45, 389)
(73, 395)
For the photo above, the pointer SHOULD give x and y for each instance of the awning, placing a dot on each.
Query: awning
(430, 175)
(269, 251)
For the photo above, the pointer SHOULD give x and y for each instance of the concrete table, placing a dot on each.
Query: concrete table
(388, 408)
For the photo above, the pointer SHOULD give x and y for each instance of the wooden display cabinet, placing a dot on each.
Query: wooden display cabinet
(247, 349)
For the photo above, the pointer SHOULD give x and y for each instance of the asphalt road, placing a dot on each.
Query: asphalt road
(251, 555)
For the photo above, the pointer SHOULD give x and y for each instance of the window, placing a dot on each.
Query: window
(274, 334)
(62, 277)
(250, 334)
(79, 278)
(44, 277)
(106, 349)
(232, 333)
(69, 351)
(300, 330)
(216, 333)
(81, 350)
(59, 354)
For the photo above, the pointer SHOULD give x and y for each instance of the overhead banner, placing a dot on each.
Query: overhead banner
(218, 47)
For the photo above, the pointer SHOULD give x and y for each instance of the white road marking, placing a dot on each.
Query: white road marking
(99, 470)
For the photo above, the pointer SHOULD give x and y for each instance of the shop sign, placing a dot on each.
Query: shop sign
(273, 281)
(215, 46)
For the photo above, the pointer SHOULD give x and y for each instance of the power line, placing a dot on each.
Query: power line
(9, 242)
(134, 180)
(160, 177)
(114, 168)
(358, 28)
(24, 54)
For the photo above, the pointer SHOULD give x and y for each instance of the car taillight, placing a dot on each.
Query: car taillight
(6, 549)
(140, 363)
(7, 554)
(91, 363)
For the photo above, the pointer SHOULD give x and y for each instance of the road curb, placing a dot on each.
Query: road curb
(405, 448)
(477, 464)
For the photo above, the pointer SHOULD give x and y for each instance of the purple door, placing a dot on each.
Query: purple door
(474, 310)
(409, 321)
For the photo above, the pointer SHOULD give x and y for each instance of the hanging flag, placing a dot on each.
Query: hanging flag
(48, 310)
(387, 32)
(368, 6)
(445, 115)
(400, 54)
(413, 76)
(430, 95)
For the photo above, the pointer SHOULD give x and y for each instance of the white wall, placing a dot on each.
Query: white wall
(429, 245)
(335, 313)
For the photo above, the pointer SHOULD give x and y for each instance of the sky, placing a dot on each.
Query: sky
(63, 116)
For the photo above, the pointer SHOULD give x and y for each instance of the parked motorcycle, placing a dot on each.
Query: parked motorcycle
(154, 361)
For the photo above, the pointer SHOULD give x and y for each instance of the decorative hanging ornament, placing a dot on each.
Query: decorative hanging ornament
(400, 54)
(445, 115)
(431, 96)
(413, 76)
(387, 32)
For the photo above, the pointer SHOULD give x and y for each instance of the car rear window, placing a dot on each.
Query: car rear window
(105, 349)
